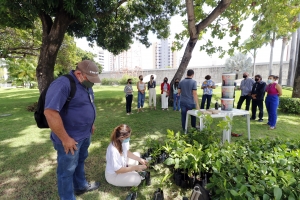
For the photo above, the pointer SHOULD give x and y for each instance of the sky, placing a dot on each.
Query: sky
(201, 58)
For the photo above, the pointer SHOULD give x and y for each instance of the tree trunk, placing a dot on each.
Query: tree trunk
(254, 62)
(52, 38)
(284, 42)
(292, 60)
(296, 87)
(271, 54)
(297, 52)
(194, 31)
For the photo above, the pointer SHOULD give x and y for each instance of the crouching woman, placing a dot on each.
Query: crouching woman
(122, 165)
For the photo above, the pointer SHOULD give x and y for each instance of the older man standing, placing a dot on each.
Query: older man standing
(246, 88)
(71, 127)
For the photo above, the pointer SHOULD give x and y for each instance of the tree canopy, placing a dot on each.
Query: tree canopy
(112, 24)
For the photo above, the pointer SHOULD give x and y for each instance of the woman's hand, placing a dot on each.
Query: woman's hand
(143, 162)
(140, 168)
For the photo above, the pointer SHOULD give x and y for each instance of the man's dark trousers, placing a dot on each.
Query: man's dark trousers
(241, 101)
(260, 105)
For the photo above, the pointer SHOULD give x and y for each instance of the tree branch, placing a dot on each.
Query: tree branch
(24, 54)
(213, 15)
(191, 18)
(46, 22)
(24, 48)
(99, 15)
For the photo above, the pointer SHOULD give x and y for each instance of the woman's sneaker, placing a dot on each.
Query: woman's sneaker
(131, 196)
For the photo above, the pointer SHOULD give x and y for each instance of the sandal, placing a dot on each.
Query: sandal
(235, 134)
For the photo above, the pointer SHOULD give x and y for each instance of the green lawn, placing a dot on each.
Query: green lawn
(28, 160)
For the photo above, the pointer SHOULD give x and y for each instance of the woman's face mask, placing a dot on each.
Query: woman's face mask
(270, 81)
(126, 140)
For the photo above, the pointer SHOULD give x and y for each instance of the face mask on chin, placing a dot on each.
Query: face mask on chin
(87, 83)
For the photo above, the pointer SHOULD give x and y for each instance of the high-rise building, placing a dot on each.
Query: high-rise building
(127, 60)
(101, 56)
(163, 56)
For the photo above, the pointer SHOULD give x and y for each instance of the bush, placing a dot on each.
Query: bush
(289, 105)
(110, 81)
(122, 81)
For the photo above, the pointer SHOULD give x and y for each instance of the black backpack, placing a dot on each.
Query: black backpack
(39, 116)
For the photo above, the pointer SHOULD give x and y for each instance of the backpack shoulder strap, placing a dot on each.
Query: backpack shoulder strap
(73, 89)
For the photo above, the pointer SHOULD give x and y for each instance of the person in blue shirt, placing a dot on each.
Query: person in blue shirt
(72, 127)
(187, 89)
(246, 88)
(207, 87)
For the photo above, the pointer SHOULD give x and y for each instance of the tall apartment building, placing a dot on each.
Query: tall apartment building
(163, 56)
(101, 57)
(127, 60)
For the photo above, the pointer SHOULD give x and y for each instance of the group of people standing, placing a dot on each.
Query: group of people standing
(255, 90)
(72, 126)
(151, 85)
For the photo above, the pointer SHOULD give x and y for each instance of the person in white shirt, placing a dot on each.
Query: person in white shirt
(122, 165)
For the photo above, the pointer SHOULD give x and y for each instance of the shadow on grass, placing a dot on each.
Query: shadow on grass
(28, 160)
(27, 171)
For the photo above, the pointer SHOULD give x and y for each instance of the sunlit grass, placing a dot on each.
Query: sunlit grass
(28, 160)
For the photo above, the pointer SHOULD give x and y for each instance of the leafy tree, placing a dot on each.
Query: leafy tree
(112, 24)
(216, 18)
(276, 20)
(238, 63)
(18, 43)
(22, 71)
(226, 16)
(86, 55)
(251, 45)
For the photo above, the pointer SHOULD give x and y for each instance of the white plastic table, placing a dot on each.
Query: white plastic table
(221, 114)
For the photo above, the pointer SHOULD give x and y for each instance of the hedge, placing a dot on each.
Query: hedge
(289, 105)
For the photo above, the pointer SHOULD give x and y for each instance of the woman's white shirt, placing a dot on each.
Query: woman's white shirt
(114, 160)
